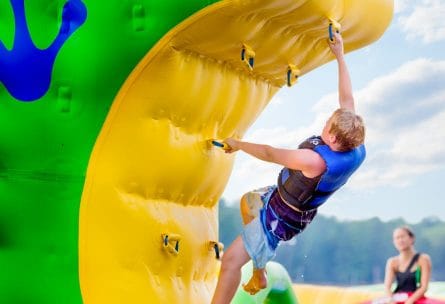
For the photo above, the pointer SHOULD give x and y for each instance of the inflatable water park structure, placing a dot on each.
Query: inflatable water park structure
(108, 184)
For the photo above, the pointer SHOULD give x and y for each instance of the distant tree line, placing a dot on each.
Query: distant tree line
(344, 253)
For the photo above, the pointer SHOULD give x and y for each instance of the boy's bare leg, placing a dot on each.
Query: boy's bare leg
(257, 282)
(230, 274)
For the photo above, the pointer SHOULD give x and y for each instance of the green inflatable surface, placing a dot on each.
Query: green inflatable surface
(279, 288)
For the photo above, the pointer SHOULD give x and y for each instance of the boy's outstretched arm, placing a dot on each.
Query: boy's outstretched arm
(346, 98)
(308, 161)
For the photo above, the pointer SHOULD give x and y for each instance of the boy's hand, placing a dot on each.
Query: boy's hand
(232, 145)
(337, 45)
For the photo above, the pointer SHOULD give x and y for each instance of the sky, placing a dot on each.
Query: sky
(399, 90)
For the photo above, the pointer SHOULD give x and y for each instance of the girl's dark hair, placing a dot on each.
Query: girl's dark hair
(409, 231)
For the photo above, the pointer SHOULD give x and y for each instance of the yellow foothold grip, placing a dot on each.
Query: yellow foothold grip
(292, 75)
(248, 56)
(217, 247)
(334, 26)
(170, 243)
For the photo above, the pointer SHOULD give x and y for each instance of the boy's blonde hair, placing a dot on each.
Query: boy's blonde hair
(348, 129)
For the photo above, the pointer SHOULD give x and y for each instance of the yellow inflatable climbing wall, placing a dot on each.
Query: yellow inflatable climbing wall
(148, 220)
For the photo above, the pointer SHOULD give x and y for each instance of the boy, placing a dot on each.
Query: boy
(311, 173)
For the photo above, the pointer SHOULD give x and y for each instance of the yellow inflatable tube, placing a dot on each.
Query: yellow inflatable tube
(148, 219)
(315, 294)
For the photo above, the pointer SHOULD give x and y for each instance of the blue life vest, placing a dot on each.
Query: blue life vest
(307, 194)
(339, 167)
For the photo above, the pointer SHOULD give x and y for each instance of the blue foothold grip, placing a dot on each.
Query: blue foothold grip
(221, 145)
(333, 27)
(251, 62)
(218, 144)
(331, 33)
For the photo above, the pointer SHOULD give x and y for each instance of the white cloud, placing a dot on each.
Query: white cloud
(425, 21)
(408, 95)
(276, 100)
(253, 173)
(405, 116)
(278, 136)
(400, 6)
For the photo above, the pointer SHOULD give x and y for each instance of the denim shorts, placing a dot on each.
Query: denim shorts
(253, 234)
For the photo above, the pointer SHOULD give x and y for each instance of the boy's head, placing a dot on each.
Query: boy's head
(344, 130)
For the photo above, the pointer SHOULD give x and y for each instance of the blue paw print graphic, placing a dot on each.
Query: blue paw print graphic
(25, 71)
